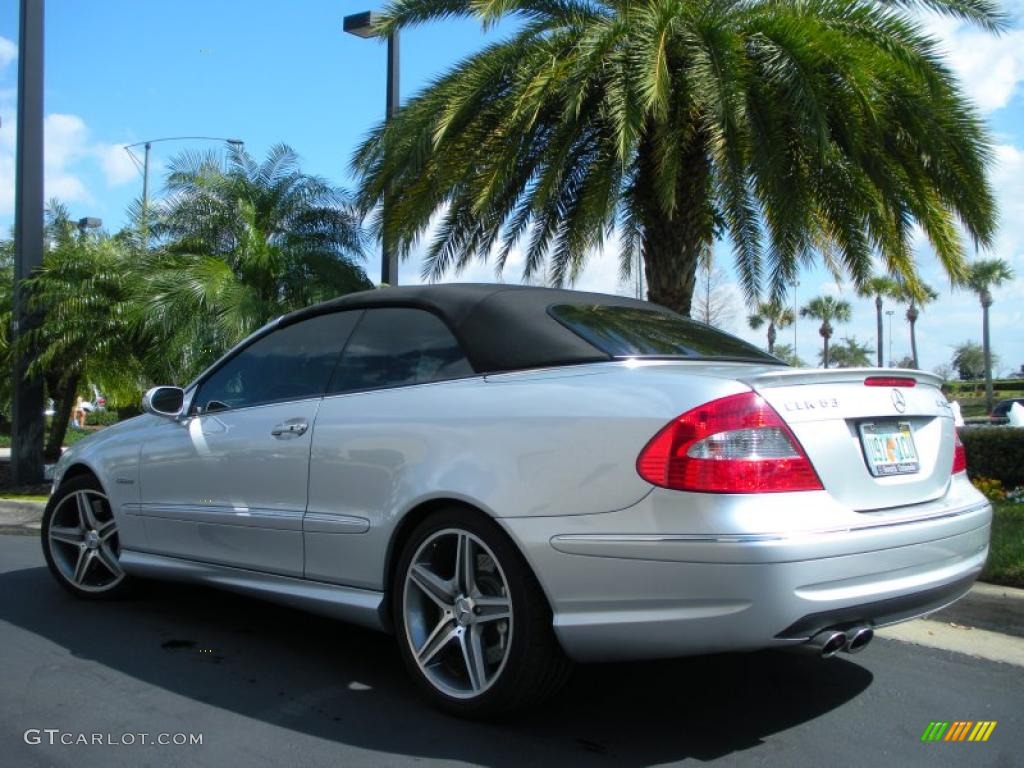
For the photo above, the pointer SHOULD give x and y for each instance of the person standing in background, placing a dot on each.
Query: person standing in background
(78, 414)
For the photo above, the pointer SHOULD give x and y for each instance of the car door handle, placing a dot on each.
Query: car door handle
(289, 429)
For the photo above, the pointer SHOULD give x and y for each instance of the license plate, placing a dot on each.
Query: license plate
(889, 448)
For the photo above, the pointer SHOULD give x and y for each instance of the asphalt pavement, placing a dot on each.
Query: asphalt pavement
(268, 686)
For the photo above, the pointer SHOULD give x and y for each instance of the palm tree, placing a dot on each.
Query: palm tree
(879, 286)
(86, 289)
(827, 309)
(850, 353)
(243, 243)
(982, 277)
(916, 299)
(774, 123)
(969, 361)
(776, 315)
(785, 353)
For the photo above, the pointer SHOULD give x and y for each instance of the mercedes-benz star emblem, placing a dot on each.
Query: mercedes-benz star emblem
(898, 401)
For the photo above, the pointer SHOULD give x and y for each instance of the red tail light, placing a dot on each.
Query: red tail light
(889, 381)
(959, 454)
(737, 444)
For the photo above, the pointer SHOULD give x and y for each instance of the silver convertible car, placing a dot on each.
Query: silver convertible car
(509, 478)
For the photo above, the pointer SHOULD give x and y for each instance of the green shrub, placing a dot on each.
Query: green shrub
(128, 411)
(102, 418)
(995, 452)
(1002, 387)
(992, 488)
(1006, 551)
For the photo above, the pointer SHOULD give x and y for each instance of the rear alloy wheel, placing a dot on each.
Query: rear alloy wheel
(80, 540)
(473, 624)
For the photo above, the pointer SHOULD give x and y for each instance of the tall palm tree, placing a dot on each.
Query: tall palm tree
(798, 129)
(982, 277)
(881, 287)
(827, 309)
(244, 242)
(775, 315)
(916, 299)
(86, 289)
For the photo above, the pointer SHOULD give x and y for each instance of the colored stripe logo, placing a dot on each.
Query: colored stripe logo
(958, 730)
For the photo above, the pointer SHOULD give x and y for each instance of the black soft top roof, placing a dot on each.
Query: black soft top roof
(500, 327)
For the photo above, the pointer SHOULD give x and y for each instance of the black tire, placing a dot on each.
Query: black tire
(62, 503)
(535, 667)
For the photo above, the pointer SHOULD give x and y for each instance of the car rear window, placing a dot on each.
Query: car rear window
(634, 332)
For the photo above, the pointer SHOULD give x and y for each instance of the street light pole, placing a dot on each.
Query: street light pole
(27, 400)
(148, 144)
(145, 183)
(362, 25)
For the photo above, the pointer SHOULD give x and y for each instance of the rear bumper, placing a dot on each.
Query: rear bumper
(621, 590)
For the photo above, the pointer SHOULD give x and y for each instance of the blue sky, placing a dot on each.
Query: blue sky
(121, 71)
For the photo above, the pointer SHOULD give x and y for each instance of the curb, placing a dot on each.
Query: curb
(22, 517)
(987, 606)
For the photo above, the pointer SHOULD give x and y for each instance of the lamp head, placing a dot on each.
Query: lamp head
(361, 24)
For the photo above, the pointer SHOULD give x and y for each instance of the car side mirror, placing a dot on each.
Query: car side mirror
(164, 401)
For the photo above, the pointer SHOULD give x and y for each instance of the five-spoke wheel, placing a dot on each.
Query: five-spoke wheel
(80, 539)
(474, 626)
(458, 615)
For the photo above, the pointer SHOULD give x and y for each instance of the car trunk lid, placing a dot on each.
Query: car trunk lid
(873, 446)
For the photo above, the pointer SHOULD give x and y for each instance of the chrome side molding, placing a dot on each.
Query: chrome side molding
(359, 606)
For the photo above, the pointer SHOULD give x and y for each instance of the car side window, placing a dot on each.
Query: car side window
(393, 347)
(292, 363)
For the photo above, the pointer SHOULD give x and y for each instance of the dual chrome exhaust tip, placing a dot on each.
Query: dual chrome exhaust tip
(829, 642)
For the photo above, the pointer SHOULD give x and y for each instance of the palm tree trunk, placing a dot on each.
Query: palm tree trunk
(912, 317)
(65, 394)
(771, 338)
(986, 302)
(824, 357)
(673, 243)
(878, 318)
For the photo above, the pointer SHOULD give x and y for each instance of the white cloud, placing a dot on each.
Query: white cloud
(8, 52)
(69, 153)
(989, 67)
(66, 143)
(66, 140)
(1007, 178)
(117, 166)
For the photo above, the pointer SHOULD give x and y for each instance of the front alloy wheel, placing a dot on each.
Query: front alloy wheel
(80, 540)
(474, 626)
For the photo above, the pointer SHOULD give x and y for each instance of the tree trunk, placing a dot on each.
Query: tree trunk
(65, 395)
(673, 241)
(878, 313)
(986, 302)
(912, 319)
(826, 332)
(771, 338)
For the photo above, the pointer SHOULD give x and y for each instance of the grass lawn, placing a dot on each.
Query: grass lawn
(1006, 554)
(71, 437)
(15, 496)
